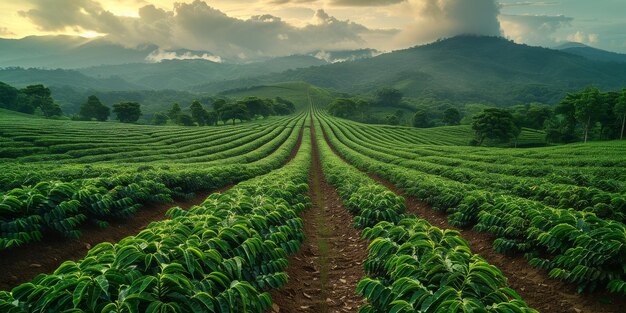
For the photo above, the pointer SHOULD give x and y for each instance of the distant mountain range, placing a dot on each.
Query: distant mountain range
(182, 74)
(167, 74)
(74, 52)
(99, 64)
(591, 52)
(465, 69)
(67, 52)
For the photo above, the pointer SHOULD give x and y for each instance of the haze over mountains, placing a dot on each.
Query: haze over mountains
(462, 69)
(591, 52)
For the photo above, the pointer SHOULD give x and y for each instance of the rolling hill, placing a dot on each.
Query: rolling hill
(182, 74)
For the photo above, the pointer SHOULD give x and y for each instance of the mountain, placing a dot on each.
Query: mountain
(67, 52)
(20, 77)
(334, 56)
(464, 69)
(591, 52)
(182, 74)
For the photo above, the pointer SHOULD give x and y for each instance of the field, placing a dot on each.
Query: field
(305, 213)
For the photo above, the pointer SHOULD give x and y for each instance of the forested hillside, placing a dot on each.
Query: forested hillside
(464, 69)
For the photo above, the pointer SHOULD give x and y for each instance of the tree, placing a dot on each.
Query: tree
(33, 98)
(184, 119)
(234, 111)
(283, 106)
(392, 119)
(281, 109)
(451, 116)
(211, 118)
(218, 106)
(342, 107)
(174, 112)
(537, 115)
(159, 118)
(421, 118)
(256, 106)
(516, 132)
(40, 97)
(586, 109)
(127, 112)
(93, 108)
(620, 111)
(553, 130)
(495, 124)
(567, 118)
(362, 107)
(198, 113)
(8, 96)
(388, 97)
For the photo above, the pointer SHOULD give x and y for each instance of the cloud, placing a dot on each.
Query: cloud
(6, 32)
(579, 36)
(60, 14)
(349, 3)
(159, 55)
(436, 19)
(343, 56)
(534, 29)
(365, 3)
(198, 26)
(529, 3)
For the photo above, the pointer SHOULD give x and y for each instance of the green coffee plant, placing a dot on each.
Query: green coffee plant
(413, 266)
(221, 256)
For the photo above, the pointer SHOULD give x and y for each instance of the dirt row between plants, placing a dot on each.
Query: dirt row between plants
(24, 263)
(323, 275)
(534, 285)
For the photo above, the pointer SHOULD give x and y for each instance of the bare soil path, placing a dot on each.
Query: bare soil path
(324, 273)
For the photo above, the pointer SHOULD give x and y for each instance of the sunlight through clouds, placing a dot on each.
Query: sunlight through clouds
(244, 26)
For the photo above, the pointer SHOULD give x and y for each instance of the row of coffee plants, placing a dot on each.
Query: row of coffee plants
(29, 213)
(221, 256)
(60, 140)
(413, 266)
(578, 247)
(598, 165)
(158, 150)
(180, 152)
(604, 204)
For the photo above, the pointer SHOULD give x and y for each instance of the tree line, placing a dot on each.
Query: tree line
(37, 99)
(397, 110)
(225, 111)
(34, 99)
(585, 115)
(94, 109)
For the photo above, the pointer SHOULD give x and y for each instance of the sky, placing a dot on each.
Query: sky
(252, 28)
